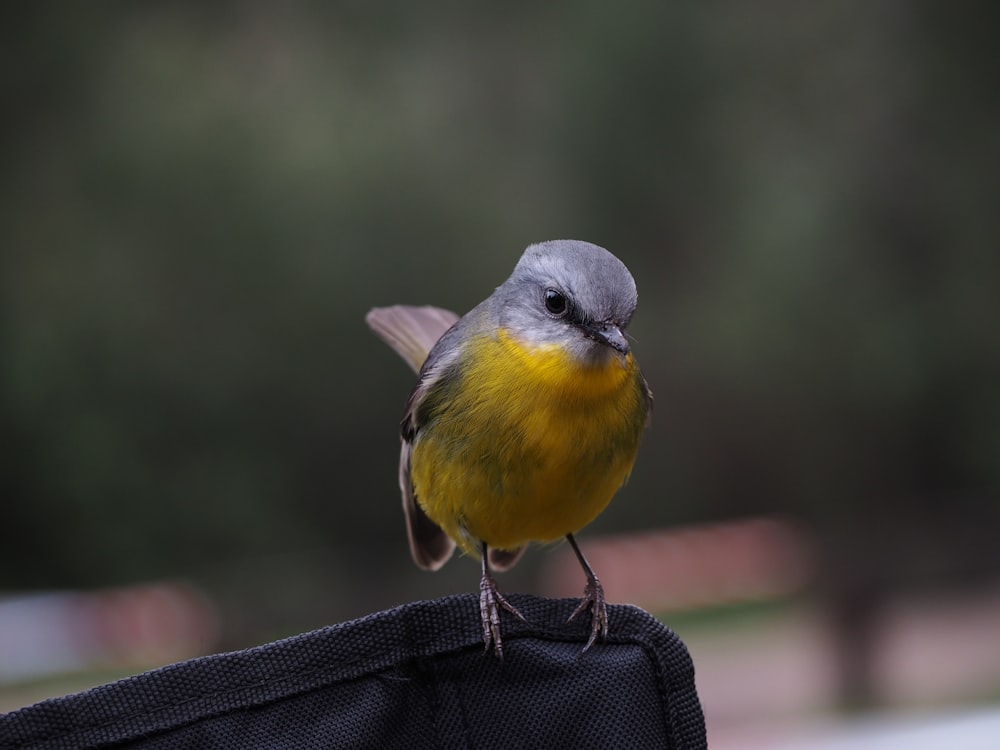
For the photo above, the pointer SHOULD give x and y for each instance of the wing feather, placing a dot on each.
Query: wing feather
(430, 546)
(412, 333)
(504, 559)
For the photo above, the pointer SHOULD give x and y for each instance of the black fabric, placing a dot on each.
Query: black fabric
(410, 677)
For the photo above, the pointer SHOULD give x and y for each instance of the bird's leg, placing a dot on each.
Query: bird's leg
(593, 598)
(490, 603)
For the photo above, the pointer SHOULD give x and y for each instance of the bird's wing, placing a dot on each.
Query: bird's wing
(429, 545)
(649, 401)
(504, 559)
(410, 331)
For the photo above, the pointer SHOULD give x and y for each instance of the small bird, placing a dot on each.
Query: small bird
(526, 416)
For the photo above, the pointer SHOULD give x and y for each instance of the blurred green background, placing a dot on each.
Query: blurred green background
(199, 204)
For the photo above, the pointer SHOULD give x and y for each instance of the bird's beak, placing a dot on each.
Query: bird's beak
(611, 335)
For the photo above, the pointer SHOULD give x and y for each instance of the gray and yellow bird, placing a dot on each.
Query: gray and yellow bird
(526, 416)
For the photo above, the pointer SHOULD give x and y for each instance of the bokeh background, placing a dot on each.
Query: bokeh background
(198, 204)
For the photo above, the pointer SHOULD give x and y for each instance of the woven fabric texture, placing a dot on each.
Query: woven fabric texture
(411, 677)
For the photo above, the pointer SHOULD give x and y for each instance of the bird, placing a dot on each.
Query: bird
(525, 420)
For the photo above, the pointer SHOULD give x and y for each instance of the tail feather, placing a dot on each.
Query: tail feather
(410, 331)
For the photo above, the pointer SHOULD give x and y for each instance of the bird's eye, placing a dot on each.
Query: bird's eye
(555, 302)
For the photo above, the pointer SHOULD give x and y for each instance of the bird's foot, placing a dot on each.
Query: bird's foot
(491, 601)
(593, 599)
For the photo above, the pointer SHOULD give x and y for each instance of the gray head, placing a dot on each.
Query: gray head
(571, 293)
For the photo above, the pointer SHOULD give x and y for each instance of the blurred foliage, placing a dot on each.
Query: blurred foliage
(199, 202)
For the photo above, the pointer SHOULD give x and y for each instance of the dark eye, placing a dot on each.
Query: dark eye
(555, 302)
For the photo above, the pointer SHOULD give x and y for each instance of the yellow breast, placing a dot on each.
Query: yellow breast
(525, 444)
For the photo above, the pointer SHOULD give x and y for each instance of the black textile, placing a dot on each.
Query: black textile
(410, 677)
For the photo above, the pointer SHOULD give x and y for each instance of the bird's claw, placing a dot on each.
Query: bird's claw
(491, 601)
(593, 599)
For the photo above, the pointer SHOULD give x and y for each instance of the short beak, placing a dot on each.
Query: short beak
(611, 335)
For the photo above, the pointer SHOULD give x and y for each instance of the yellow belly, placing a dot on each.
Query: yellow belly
(525, 444)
